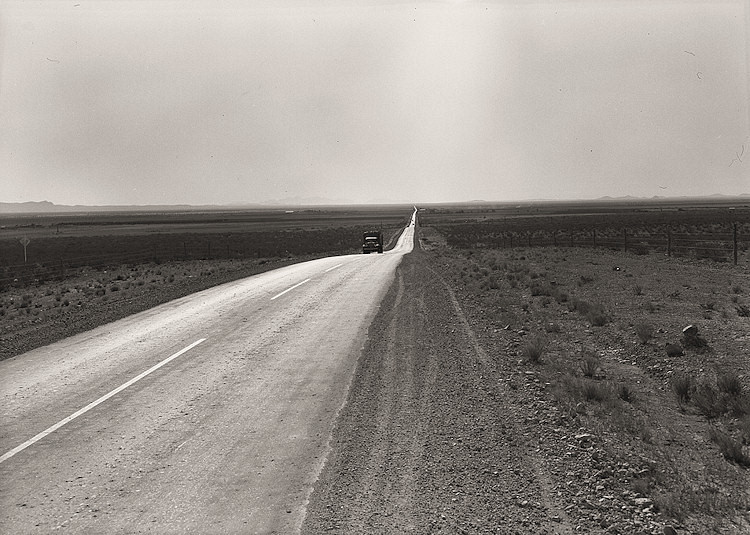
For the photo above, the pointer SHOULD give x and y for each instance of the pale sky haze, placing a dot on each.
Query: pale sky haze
(206, 102)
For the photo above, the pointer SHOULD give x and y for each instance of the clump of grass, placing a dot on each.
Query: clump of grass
(589, 365)
(538, 288)
(708, 401)
(534, 349)
(743, 311)
(682, 385)
(730, 448)
(729, 383)
(593, 390)
(593, 312)
(637, 289)
(644, 332)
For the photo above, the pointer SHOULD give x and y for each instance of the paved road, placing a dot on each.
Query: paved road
(209, 414)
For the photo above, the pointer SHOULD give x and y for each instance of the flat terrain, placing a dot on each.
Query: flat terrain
(207, 414)
(530, 390)
(452, 426)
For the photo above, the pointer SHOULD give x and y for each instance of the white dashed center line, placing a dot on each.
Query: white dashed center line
(290, 289)
(93, 404)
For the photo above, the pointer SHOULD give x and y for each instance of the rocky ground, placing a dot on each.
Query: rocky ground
(515, 391)
(456, 424)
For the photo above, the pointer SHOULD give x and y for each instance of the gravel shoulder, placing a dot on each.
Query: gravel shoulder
(433, 438)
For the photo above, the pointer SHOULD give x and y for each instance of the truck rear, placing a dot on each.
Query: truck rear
(372, 241)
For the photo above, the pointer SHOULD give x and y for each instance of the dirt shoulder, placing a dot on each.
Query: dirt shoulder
(450, 428)
(439, 436)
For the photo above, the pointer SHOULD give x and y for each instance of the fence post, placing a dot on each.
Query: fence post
(528, 234)
(594, 237)
(735, 243)
(669, 242)
(625, 235)
(554, 237)
(511, 240)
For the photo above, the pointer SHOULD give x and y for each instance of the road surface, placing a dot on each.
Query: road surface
(209, 414)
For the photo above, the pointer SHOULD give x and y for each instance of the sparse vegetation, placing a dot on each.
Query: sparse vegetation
(644, 332)
(730, 448)
(682, 386)
(533, 350)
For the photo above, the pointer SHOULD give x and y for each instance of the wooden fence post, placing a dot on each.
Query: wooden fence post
(625, 235)
(735, 243)
(669, 242)
(528, 235)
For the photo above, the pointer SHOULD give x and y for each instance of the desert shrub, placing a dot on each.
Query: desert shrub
(625, 393)
(743, 311)
(694, 340)
(637, 289)
(729, 383)
(596, 315)
(682, 385)
(744, 427)
(114, 288)
(593, 390)
(560, 296)
(533, 350)
(708, 401)
(644, 331)
(541, 289)
(673, 350)
(553, 328)
(730, 448)
(589, 365)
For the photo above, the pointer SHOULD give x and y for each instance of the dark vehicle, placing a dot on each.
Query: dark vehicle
(372, 241)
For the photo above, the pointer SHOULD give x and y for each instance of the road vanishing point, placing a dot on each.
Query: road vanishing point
(208, 414)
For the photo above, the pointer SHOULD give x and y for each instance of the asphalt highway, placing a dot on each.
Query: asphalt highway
(209, 414)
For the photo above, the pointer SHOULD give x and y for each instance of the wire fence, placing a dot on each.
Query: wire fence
(727, 246)
(59, 258)
(53, 259)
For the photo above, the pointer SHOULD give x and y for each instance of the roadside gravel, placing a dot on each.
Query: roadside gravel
(440, 436)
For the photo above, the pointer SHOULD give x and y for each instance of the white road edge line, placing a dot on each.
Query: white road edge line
(290, 289)
(334, 267)
(93, 404)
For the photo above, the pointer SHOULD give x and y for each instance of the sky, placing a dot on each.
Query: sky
(121, 102)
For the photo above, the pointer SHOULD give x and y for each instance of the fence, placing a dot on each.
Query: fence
(717, 246)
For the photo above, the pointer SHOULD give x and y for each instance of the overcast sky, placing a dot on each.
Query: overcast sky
(206, 102)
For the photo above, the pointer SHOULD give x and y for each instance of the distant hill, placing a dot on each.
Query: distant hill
(46, 207)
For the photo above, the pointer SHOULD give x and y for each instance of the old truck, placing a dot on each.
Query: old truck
(372, 241)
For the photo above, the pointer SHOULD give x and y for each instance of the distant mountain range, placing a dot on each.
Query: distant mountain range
(46, 207)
